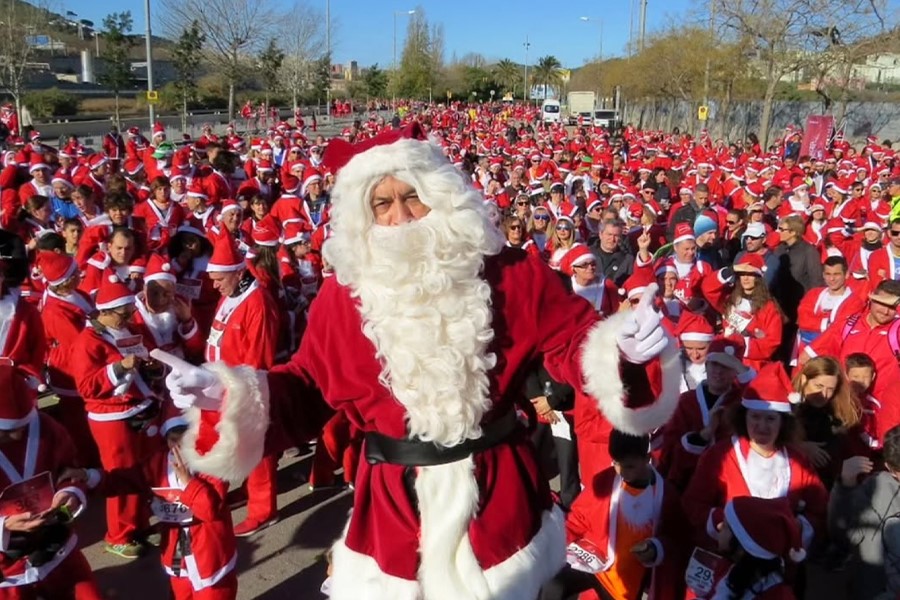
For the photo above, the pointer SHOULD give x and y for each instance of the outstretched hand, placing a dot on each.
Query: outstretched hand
(190, 385)
(642, 336)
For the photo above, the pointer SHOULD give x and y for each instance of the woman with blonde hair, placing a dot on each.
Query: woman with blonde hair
(560, 240)
(541, 229)
(829, 415)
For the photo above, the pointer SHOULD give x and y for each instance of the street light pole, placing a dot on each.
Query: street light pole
(643, 23)
(599, 22)
(328, 55)
(525, 94)
(149, 50)
(394, 61)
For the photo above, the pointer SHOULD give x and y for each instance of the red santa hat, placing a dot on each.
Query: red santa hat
(694, 328)
(296, 232)
(290, 183)
(752, 264)
(133, 166)
(310, 175)
(683, 233)
(818, 204)
(263, 166)
(770, 390)
(158, 269)
(56, 268)
(265, 233)
(34, 136)
(635, 285)
(37, 162)
(228, 205)
(63, 178)
(726, 352)
(766, 527)
(578, 255)
(196, 190)
(96, 161)
(225, 257)
(113, 294)
(17, 408)
(158, 129)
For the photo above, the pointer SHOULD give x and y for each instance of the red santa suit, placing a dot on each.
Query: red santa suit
(819, 309)
(45, 449)
(462, 537)
(100, 268)
(731, 469)
(608, 509)
(113, 397)
(114, 146)
(218, 187)
(198, 550)
(883, 264)
(161, 223)
(245, 332)
(64, 317)
(32, 188)
(22, 340)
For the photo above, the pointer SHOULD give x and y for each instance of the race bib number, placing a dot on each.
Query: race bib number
(737, 321)
(188, 288)
(704, 570)
(132, 345)
(33, 495)
(167, 507)
(583, 556)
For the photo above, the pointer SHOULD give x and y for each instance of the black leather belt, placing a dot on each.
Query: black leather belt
(416, 453)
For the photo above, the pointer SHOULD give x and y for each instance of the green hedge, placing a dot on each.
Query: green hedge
(51, 103)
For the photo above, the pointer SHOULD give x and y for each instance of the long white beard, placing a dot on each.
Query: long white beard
(427, 311)
(163, 324)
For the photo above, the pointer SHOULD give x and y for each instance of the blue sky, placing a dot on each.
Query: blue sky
(364, 30)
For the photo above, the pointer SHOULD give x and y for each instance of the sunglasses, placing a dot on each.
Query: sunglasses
(514, 227)
(564, 228)
(541, 217)
(731, 222)
(588, 265)
(784, 229)
(525, 203)
(894, 232)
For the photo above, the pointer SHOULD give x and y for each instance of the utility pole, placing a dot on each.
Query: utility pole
(643, 23)
(525, 94)
(712, 35)
(631, 28)
(328, 56)
(149, 50)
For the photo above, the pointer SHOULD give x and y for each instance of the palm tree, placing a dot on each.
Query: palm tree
(508, 75)
(547, 72)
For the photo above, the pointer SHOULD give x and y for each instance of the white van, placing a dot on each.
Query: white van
(550, 111)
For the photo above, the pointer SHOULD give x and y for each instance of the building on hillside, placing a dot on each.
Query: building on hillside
(879, 69)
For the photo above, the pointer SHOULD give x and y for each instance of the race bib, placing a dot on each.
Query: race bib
(583, 556)
(704, 570)
(167, 507)
(737, 322)
(33, 495)
(188, 288)
(132, 345)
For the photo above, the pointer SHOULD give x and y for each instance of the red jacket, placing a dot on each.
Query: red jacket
(23, 342)
(64, 317)
(883, 265)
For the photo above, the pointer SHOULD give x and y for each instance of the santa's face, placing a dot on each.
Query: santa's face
(226, 283)
(696, 351)
(395, 202)
(160, 295)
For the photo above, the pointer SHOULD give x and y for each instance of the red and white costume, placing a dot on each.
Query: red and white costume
(161, 223)
(819, 310)
(883, 264)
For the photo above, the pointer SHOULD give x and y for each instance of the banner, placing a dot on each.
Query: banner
(816, 136)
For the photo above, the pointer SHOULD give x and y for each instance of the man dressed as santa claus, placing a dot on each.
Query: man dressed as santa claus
(423, 338)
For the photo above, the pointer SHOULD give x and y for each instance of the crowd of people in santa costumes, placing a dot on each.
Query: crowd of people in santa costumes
(456, 304)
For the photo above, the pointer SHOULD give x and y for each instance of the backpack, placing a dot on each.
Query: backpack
(893, 333)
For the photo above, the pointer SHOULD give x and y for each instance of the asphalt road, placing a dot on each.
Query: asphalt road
(283, 562)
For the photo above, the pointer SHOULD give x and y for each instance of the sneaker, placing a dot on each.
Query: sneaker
(248, 527)
(129, 551)
(153, 538)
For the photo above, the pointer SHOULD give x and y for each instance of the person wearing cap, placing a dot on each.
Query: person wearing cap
(699, 420)
(38, 548)
(876, 209)
(65, 312)
(690, 270)
(750, 314)
(753, 240)
(463, 420)
(198, 549)
(884, 264)
(136, 144)
(822, 307)
(114, 147)
(110, 361)
(316, 202)
(625, 532)
(688, 212)
(869, 241)
(762, 538)
(161, 216)
(757, 460)
(893, 193)
(709, 244)
(245, 332)
(261, 184)
(580, 266)
(61, 200)
(39, 185)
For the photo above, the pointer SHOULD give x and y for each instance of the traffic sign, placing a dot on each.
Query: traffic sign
(703, 113)
(152, 97)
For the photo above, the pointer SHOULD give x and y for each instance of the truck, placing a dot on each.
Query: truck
(581, 104)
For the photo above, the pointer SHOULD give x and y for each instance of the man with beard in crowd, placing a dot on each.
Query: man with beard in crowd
(442, 323)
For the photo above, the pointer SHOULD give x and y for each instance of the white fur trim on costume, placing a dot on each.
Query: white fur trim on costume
(241, 428)
(692, 448)
(743, 536)
(600, 364)
(752, 404)
(358, 577)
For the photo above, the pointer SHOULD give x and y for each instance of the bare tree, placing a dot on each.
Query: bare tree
(782, 33)
(19, 21)
(234, 30)
(302, 37)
